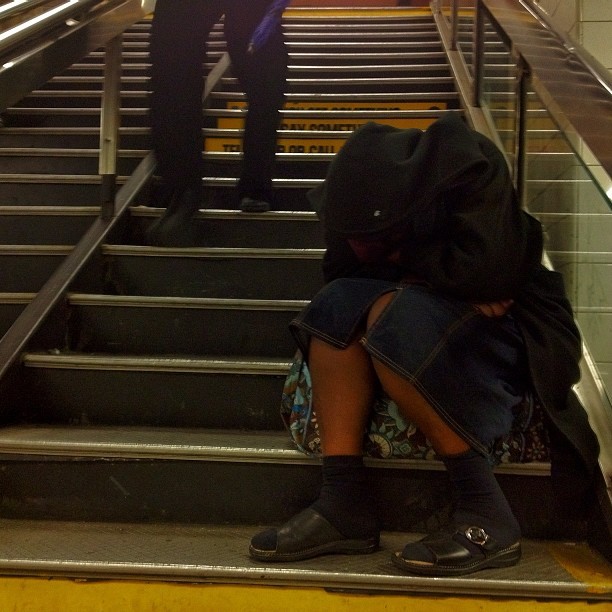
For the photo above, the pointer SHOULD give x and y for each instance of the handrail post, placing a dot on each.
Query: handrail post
(109, 126)
(478, 54)
(454, 24)
(520, 140)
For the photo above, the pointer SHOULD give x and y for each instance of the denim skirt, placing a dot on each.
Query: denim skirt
(471, 368)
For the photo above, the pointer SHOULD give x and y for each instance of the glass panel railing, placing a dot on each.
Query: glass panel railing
(570, 195)
(577, 217)
(466, 25)
(446, 10)
(499, 86)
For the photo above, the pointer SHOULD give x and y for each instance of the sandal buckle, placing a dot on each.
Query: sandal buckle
(477, 535)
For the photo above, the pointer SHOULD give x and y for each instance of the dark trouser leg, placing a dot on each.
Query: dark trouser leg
(263, 76)
(177, 50)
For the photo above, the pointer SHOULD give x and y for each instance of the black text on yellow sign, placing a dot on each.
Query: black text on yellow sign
(234, 145)
(231, 123)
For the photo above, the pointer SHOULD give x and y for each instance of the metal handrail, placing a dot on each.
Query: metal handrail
(119, 14)
(56, 15)
(17, 7)
(41, 48)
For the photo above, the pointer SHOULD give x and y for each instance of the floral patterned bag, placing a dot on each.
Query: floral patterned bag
(390, 435)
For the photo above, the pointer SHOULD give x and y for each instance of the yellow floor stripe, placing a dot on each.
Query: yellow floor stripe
(583, 563)
(58, 595)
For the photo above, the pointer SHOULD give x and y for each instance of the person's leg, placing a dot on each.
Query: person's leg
(263, 76)
(341, 520)
(480, 503)
(177, 50)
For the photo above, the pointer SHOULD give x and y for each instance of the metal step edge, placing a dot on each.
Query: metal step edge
(233, 215)
(94, 179)
(144, 55)
(219, 554)
(399, 27)
(331, 97)
(160, 363)
(66, 152)
(324, 115)
(195, 444)
(205, 252)
(71, 131)
(364, 81)
(385, 45)
(143, 301)
(138, 301)
(137, 111)
(343, 67)
(16, 297)
(220, 181)
(60, 179)
(354, 37)
(371, 13)
(49, 211)
(35, 249)
(70, 111)
(290, 81)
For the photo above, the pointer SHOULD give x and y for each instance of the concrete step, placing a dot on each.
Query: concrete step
(219, 554)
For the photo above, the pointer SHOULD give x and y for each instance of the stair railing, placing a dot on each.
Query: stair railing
(83, 32)
(575, 93)
(43, 43)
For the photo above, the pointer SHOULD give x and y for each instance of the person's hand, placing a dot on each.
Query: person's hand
(494, 309)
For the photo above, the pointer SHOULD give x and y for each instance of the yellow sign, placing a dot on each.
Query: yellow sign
(284, 145)
(334, 125)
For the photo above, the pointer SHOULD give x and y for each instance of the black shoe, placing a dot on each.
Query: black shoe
(308, 534)
(464, 550)
(175, 228)
(253, 205)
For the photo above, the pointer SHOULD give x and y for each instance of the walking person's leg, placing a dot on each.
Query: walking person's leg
(263, 76)
(177, 50)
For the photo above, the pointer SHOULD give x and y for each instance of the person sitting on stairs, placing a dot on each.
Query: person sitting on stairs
(256, 46)
(436, 296)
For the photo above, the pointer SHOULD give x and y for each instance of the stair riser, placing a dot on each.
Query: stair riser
(189, 331)
(58, 191)
(291, 279)
(8, 314)
(238, 400)
(247, 232)
(70, 141)
(30, 229)
(231, 493)
(64, 165)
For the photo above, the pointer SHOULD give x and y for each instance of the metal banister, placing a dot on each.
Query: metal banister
(54, 16)
(32, 55)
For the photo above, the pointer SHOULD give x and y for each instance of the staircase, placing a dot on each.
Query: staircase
(141, 432)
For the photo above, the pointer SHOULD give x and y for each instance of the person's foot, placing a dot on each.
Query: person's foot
(456, 552)
(254, 205)
(174, 227)
(308, 534)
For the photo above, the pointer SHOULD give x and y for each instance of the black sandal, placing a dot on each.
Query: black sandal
(309, 534)
(452, 558)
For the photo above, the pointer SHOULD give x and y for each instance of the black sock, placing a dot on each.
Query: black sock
(480, 500)
(344, 499)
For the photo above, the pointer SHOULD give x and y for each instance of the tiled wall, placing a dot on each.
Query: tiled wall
(588, 22)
